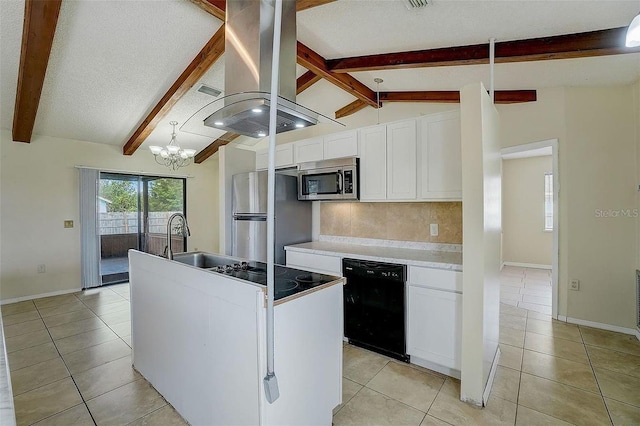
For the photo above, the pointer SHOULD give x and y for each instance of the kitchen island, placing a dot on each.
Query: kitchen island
(198, 337)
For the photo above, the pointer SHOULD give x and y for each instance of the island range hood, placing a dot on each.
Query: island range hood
(248, 61)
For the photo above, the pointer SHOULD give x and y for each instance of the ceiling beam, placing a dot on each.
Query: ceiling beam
(352, 108)
(40, 20)
(305, 81)
(318, 65)
(196, 69)
(579, 45)
(308, 4)
(445, 96)
(213, 7)
(214, 146)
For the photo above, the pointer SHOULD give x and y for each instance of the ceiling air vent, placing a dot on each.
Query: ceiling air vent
(414, 4)
(212, 91)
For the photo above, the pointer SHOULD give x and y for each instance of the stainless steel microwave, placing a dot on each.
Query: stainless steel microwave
(329, 180)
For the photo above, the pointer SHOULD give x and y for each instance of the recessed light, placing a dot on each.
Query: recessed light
(299, 125)
(256, 110)
(218, 123)
(262, 134)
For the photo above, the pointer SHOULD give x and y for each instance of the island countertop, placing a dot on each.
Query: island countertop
(450, 260)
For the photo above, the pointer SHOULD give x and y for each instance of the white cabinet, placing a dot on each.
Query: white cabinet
(284, 157)
(331, 265)
(309, 150)
(373, 163)
(388, 162)
(401, 160)
(434, 328)
(339, 145)
(434, 318)
(440, 157)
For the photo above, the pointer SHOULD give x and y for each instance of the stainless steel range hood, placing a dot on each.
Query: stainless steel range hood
(248, 56)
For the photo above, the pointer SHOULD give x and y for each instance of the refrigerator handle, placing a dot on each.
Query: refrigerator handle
(250, 217)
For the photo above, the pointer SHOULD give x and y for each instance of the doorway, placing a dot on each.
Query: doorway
(531, 237)
(133, 211)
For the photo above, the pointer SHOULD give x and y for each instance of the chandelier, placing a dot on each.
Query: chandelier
(173, 156)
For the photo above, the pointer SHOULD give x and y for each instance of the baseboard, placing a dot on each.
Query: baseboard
(527, 265)
(600, 325)
(435, 367)
(492, 375)
(39, 296)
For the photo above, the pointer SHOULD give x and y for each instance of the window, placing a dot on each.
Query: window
(548, 202)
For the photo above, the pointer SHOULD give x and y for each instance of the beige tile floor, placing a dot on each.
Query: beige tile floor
(70, 364)
(526, 288)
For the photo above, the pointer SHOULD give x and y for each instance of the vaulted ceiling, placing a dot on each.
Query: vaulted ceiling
(112, 62)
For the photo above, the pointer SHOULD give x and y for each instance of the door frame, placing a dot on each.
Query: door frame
(555, 256)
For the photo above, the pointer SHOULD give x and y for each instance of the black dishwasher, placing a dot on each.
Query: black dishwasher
(374, 306)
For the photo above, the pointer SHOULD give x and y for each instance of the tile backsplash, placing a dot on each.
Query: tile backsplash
(393, 221)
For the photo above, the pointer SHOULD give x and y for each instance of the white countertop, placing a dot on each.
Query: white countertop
(410, 256)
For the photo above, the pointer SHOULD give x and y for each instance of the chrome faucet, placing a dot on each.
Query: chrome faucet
(185, 232)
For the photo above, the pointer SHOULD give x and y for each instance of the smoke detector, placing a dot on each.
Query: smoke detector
(415, 4)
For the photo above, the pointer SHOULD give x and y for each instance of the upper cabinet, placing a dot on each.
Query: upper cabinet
(373, 163)
(401, 160)
(337, 145)
(409, 160)
(308, 150)
(340, 145)
(284, 157)
(440, 157)
(388, 162)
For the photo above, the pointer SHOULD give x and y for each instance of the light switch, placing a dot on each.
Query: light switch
(68, 224)
(434, 229)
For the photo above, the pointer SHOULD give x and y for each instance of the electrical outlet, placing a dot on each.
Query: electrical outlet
(574, 285)
(42, 268)
(68, 224)
(434, 229)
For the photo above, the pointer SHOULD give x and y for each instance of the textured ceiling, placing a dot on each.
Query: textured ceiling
(113, 60)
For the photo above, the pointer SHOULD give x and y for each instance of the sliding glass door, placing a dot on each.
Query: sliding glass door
(132, 214)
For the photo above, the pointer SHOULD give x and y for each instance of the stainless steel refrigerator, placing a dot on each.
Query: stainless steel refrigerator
(292, 217)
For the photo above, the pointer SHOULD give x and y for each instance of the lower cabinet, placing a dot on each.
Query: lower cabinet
(434, 327)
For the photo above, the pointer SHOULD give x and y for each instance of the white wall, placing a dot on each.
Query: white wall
(481, 211)
(600, 176)
(39, 189)
(595, 128)
(524, 239)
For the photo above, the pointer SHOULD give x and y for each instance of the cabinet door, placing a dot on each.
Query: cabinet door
(434, 326)
(284, 157)
(373, 163)
(340, 145)
(262, 159)
(401, 161)
(440, 157)
(309, 150)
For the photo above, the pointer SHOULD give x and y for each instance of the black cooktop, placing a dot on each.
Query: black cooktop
(288, 281)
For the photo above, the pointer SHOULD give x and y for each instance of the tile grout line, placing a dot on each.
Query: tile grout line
(69, 371)
(595, 376)
(521, 367)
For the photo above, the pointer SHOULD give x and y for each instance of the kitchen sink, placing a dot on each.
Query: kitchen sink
(202, 260)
